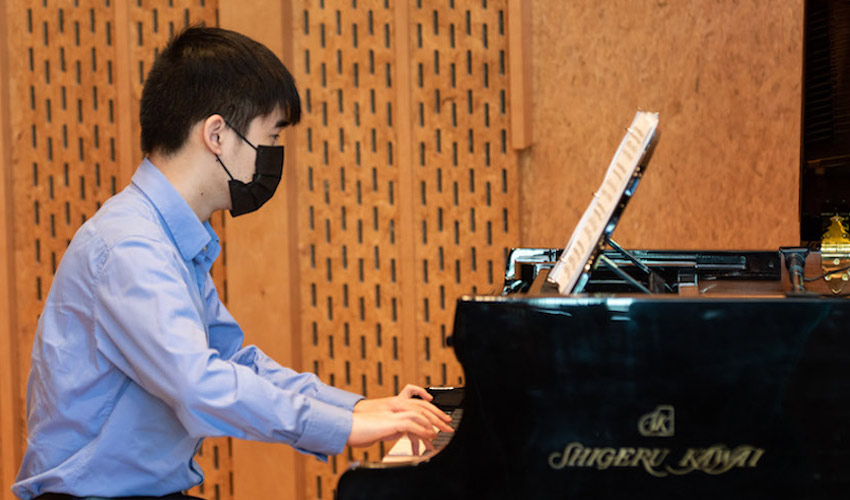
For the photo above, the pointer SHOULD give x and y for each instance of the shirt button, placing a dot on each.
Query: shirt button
(205, 248)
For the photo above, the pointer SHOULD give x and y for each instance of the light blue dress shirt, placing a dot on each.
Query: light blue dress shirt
(136, 360)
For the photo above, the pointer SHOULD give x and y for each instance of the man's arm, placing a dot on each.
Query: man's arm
(147, 325)
(285, 378)
(374, 419)
(226, 336)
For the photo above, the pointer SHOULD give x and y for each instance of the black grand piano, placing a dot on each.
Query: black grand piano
(714, 394)
(659, 374)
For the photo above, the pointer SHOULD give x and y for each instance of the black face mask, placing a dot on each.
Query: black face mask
(246, 198)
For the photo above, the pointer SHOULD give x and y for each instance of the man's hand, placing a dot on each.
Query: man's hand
(390, 418)
(369, 428)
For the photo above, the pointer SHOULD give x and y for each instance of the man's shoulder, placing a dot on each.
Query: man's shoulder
(124, 221)
(126, 216)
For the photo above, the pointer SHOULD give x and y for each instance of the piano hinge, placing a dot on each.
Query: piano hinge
(835, 254)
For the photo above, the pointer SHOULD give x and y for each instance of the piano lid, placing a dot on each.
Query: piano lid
(578, 259)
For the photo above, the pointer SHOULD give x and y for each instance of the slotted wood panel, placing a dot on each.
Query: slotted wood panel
(354, 190)
(466, 195)
(403, 170)
(349, 214)
(66, 157)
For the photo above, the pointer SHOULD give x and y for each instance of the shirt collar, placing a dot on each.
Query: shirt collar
(190, 235)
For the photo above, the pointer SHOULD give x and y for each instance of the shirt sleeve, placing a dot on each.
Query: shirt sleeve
(148, 325)
(288, 379)
(227, 337)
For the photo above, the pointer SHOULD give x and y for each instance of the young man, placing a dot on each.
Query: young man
(135, 359)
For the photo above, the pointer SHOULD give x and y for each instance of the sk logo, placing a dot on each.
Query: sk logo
(658, 423)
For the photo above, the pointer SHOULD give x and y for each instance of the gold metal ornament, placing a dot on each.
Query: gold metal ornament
(835, 254)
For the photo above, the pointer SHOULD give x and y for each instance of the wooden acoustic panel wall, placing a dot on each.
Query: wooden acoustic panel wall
(465, 177)
(726, 80)
(9, 412)
(407, 188)
(349, 196)
(75, 70)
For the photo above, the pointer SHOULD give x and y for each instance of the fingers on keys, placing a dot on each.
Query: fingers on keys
(417, 424)
(437, 418)
(411, 390)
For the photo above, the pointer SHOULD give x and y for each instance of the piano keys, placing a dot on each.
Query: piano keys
(447, 399)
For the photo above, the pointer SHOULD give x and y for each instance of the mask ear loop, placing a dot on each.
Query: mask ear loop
(240, 135)
(218, 159)
(225, 168)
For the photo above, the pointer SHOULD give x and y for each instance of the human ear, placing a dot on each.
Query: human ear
(212, 129)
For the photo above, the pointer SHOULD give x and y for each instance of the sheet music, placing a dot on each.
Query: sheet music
(577, 258)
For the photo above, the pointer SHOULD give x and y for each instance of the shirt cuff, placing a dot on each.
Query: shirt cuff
(337, 397)
(327, 430)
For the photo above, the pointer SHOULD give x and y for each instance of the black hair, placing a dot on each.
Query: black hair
(204, 71)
